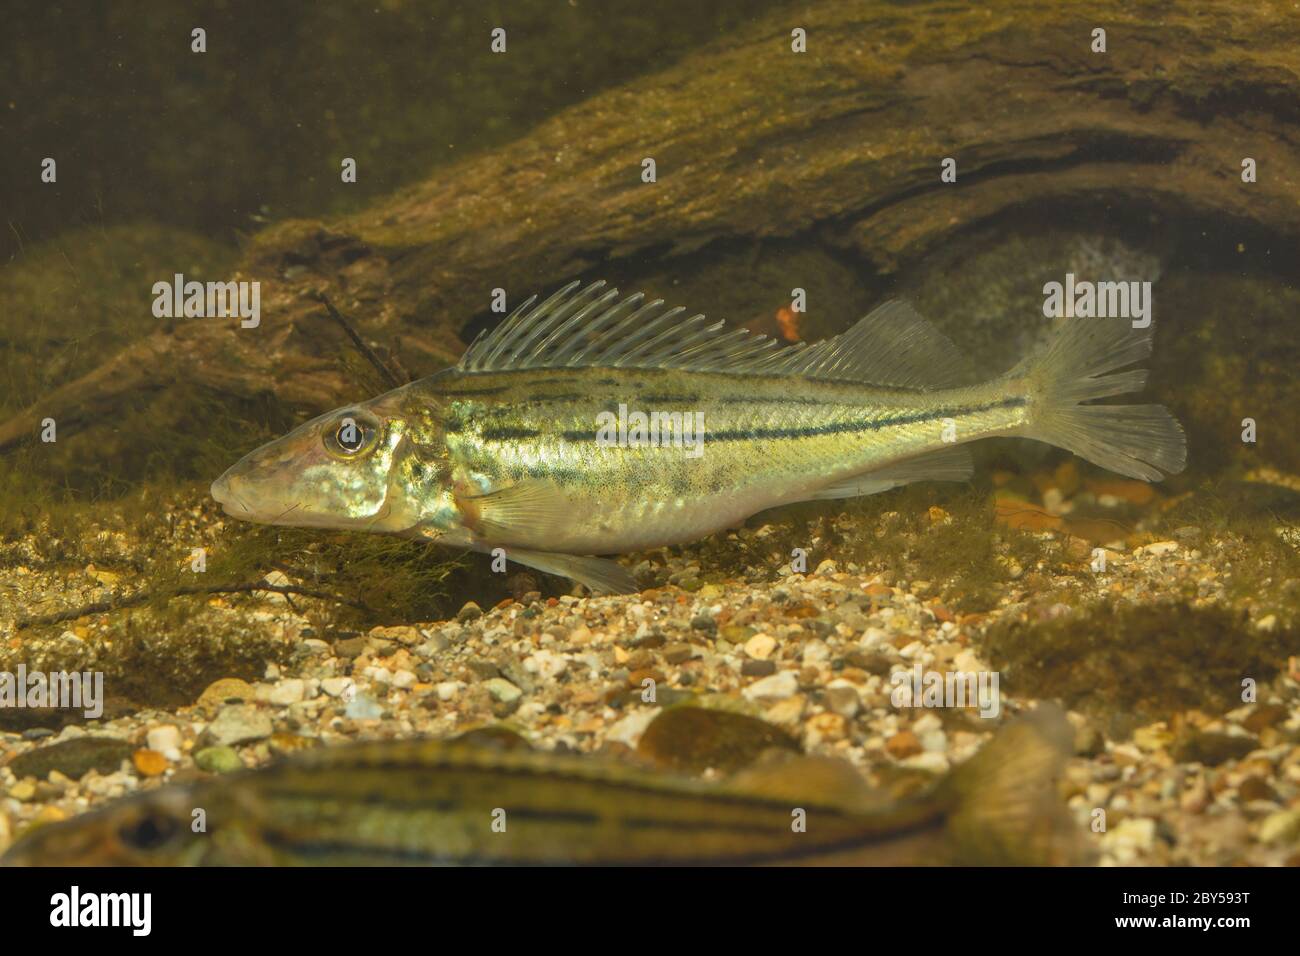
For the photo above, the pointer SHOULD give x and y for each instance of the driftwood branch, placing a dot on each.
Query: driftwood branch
(755, 142)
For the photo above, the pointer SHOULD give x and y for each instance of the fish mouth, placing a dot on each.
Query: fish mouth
(230, 502)
(223, 490)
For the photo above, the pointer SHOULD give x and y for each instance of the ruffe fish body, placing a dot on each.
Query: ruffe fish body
(446, 802)
(589, 425)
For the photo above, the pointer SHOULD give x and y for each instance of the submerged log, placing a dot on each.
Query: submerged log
(753, 141)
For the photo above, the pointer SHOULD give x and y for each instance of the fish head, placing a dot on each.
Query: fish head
(335, 471)
(151, 829)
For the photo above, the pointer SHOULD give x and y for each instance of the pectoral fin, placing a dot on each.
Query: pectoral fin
(524, 511)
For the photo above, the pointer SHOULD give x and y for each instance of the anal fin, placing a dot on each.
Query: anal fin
(946, 464)
(600, 575)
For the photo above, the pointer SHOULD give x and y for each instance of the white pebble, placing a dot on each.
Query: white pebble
(166, 740)
(629, 730)
(337, 686)
(546, 664)
(777, 686)
(289, 691)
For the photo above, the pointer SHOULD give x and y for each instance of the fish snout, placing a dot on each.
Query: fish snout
(226, 491)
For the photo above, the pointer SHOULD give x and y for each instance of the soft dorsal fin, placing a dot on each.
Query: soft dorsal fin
(591, 327)
(892, 345)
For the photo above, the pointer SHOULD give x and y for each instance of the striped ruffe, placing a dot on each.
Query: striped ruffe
(592, 425)
(424, 802)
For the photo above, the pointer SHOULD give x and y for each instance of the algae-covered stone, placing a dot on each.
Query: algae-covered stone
(218, 760)
(224, 691)
(694, 739)
(73, 758)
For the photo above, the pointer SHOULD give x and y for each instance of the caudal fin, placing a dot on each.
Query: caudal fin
(1082, 363)
(1006, 810)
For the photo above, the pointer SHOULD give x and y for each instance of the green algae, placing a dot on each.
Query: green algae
(1145, 661)
(1254, 529)
(960, 548)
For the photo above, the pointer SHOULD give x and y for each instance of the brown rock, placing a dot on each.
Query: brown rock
(903, 744)
(1265, 715)
(678, 653)
(1255, 788)
(694, 739)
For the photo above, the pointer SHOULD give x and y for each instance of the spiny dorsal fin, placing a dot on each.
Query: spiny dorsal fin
(592, 327)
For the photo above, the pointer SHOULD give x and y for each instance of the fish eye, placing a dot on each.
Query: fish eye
(150, 832)
(351, 435)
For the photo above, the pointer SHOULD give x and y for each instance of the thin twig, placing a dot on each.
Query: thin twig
(135, 600)
(385, 372)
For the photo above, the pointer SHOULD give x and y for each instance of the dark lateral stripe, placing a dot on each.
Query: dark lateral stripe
(815, 431)
(557, 397)
(425, 769)
(466, 392)
(698, 826)
(793, 849)
(836, 428)
(509, 433)
(666, 399)
(766, 400)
